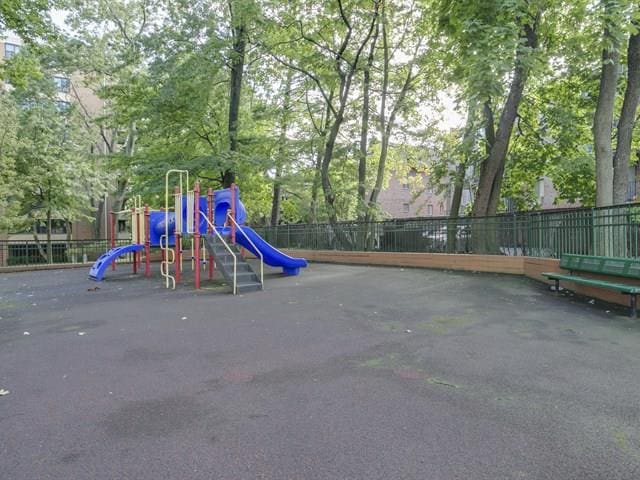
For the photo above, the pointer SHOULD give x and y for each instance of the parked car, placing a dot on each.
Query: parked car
(437, 238)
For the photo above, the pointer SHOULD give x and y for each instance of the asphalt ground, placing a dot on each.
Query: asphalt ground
(344, 372)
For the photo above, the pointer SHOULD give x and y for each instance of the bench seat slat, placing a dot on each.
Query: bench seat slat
(619, 267)
(621, 287)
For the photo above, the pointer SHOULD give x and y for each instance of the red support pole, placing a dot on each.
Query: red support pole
(135, 254)
(113, 237)
(138, 236)
(177, 235)
(147, 242)
(196, 229)
(233, 212)
(162, 250)
(210, 228)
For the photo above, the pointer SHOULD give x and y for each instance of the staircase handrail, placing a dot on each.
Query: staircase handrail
(238, 227)
(215, 230)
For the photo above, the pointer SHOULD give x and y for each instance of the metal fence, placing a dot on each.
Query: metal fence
(611, 231)
(27, 252)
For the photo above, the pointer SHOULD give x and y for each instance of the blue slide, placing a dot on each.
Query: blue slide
(100, 267)
(272, 256)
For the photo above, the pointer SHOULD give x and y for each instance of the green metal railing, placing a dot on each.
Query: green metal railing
(26, 252)
(611, 231)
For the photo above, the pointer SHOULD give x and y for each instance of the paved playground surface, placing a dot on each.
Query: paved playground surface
(342, 373)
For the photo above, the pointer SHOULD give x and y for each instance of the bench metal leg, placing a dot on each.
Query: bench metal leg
(557, 286)
(634, 311)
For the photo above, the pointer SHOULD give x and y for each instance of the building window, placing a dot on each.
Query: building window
(405, 186)
(405, 208)
(62, 106)
(429, 210)
(58, 227)
(442, 212)
(63, 84)
(10, 49)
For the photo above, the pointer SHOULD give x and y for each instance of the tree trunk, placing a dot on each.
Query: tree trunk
(235, 87)
(460, 173)
(327, 189)
(492, 169)
(363, 229)
(67, 224)
(99, 215)
(49, 244)
(386, 124)
(346, 79)
(315, 187)
(456, 200)
(364, 131)
(282, 152)
(123, 182)
(41, 251)
(627, 122)
(603, 121)
(490, 183)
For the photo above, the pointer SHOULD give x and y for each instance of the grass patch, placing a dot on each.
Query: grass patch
(392, 326)
(386, 361)
(7, 305)
(622, 440)
(443, 323)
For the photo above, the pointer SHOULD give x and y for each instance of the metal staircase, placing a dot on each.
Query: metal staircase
(228, 259)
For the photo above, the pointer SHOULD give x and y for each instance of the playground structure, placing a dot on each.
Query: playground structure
(214, 227)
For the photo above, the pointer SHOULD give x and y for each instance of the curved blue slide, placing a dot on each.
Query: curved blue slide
(272, 256)
(102, 263)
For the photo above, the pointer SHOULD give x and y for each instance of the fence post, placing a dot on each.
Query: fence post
(593, 231)
(4, 249)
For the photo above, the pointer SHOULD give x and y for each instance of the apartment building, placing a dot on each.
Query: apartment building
(416, 196)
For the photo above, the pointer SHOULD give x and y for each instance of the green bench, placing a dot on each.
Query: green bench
(614, 267)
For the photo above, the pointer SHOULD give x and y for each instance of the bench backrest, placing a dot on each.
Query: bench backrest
(619, 267)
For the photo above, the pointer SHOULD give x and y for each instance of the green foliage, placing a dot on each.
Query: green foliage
(9, 197)
(48, 150)
(163, 69)
(29, 19)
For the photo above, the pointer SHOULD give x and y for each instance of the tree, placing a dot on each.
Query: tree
(627, 120)
(8, 149)
(603, 117)
(328, 50)
(58, 177)
(28, 19)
